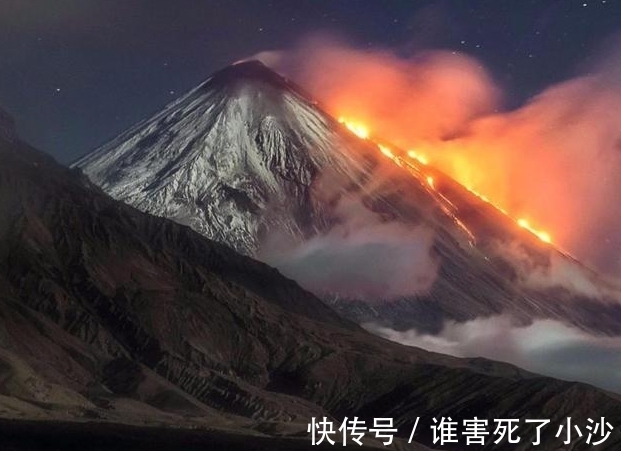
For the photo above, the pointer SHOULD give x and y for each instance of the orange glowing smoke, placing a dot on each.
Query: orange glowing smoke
(462, 172)
(554, 161)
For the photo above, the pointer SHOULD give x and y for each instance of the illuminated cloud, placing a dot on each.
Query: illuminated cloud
(554, 162)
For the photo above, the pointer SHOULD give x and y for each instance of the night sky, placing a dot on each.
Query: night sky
(76, 72)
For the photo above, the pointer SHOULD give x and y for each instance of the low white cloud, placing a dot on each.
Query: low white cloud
(557, 270)
(545, 347)
(361, 257)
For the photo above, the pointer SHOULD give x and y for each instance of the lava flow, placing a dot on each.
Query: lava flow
(363, 132)
(355, 127)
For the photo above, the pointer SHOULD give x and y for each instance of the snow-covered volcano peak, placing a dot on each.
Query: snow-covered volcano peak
(247, 71)
(247, 159)
(244, 140)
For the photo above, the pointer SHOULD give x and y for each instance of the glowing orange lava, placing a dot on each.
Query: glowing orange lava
(543, 236)
(386, 151)
(418, 157)
(357, 128)
(362, 131)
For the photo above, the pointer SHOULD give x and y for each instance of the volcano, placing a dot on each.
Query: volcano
(250, 160)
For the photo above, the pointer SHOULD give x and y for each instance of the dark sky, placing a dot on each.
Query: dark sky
(76, 72)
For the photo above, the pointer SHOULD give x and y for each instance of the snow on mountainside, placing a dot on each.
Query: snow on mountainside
(242, 143)
(247, 159)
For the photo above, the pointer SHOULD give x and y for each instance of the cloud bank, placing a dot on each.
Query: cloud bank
(362, 257)
(546, 347)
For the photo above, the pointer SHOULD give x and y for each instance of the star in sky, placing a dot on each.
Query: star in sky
(116, 59)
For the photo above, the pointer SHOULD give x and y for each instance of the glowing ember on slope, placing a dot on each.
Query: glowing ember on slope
(357, 128)
(386, 151)
(543, 236)
(390, 154)
(418, 157)
(362, 131)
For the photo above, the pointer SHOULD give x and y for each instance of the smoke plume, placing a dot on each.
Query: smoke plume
(555, 161)
(557, 271)
(434, 94)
